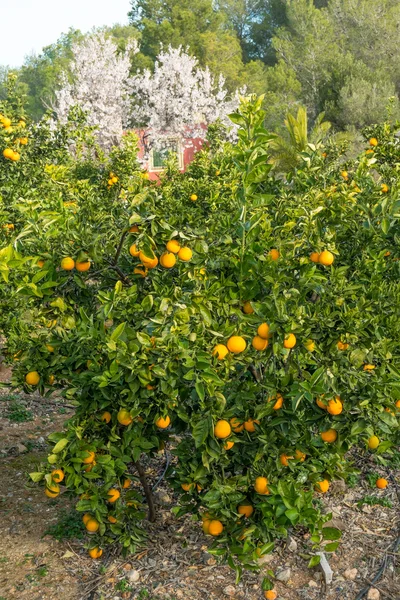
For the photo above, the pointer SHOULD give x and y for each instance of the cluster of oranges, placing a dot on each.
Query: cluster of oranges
(52, 490)
(9, 153)
(167, 259)
(237, 344)
(124, 418)
(113, 179)
(325, 257)
(68, 264)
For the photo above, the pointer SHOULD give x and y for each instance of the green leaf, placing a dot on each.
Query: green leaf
(331, 547)
(200, 390)
(36, 476)
(60, 445)
(314, 561)
(118, 331)
(201, 430)
(331, 533)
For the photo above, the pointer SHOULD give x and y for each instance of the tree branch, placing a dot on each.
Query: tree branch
(147, 491)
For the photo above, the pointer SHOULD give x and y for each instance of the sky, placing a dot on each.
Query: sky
(28, 25)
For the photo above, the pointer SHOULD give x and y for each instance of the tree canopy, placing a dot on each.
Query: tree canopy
(340, 57)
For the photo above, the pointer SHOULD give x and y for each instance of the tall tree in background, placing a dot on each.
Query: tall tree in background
(40, 73)
(97, 85)
(255, 23)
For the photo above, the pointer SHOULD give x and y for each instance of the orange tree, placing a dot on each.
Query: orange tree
(255, 317)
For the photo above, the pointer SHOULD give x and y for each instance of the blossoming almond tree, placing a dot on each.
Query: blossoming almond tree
(98, 84)
(179, 98)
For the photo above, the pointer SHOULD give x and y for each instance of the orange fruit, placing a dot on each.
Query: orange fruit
(384, 188)
(67, 263)
(369, 367)
(32, 378)
(106, 417)
(222, 429)
(95, 552)
(111, 519)
(140, 271)
(335, 406)
(133, 251)
(167, 260)
(40, 263)
(206, 525)
(8, 153)
(6, 122)
(51, 379)
(238, 426)
(92, 525)
(162, 423)
(187, 486)
(249, 425)
(236, 344)
(284, 459)
(220, 351)
(398, 404)
(185, 254)
(134, 229)
(215, 528)
(279, 401)
(270, 595)
(259, 343)
(126, 484)
(57, 475)
(326, 258)
(261, 486)
(89, 459)
(82, 266)
(173, 246)
(373, 142)
(228, 445)
(50, 348)
(113, 495)
(329, 436)
(342, 345)
(310, 345)
(314, 257)
(321, 404)
(373, 442)
(274, 254)
(322, 486)
(52, 490)
(149, 262)
(289, 341)
(247, 308)
(245, 509)
(299, 455)
(345, 175)
(86, 517)
(124, 417)
(382, 483)
(193, 197)
(263, 331)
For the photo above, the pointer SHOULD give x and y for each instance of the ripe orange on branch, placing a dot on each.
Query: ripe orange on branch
(236, 344)
(222, 429)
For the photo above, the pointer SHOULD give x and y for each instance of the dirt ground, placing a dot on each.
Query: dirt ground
(175, 564)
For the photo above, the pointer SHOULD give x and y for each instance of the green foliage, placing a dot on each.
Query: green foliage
(116, 340)
(68, 527)
(374, 501)
(18, 413)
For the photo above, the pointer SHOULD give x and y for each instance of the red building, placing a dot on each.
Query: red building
(153, 159)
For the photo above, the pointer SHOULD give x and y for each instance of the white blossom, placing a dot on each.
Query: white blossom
(178, 99)
(98, 84)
